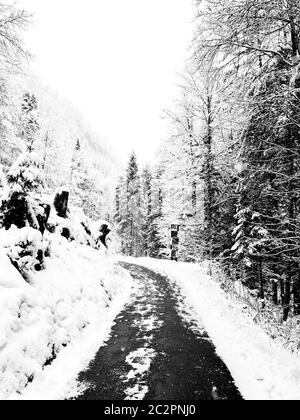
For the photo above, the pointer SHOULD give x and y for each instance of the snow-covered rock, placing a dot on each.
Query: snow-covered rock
(22, 246)
(10, 277)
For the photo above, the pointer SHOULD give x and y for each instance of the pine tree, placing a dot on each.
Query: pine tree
(134, 216)
(121, 212)
(129, 210)
(82, 187)
(24, 182)
(155, 246)
(117, 214)
(50, 156)
(269, 183)
(151, 243)
(9, 145)
(30, 120)
(146, 181)
(258, 48)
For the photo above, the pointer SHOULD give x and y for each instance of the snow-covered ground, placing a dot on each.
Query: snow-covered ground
(262, 368)
(52, 325)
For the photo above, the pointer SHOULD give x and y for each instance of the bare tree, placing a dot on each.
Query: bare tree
(244, 35)
(13, 21)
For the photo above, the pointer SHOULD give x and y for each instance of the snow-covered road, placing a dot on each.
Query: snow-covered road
(157, 350)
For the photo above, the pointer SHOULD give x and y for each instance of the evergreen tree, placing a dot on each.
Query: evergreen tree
(121, 212)
(133, 208)
(146, 181)
(82, 188)
(151, 243)
(24, 182)
(30, 120)
(257, 48)
(129, 210)
(25, 175)
(269, 187)
(154, 200)
(9, 145)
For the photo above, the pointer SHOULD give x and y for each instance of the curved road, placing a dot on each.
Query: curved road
(157, 351)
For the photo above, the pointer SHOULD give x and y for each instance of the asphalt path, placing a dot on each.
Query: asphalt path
(157, 351)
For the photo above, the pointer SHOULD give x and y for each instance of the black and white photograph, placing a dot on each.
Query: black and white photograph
(149, 203)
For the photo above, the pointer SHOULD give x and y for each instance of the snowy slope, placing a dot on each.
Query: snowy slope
(58, 319)
(262, 369)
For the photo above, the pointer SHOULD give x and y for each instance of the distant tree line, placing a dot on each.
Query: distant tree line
(137, 210)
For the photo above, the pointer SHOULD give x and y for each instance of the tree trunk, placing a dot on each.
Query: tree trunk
(296, 293)
(275, 292)
(287, 295)
(282, 291)
(192, 172)
(208, 180)
(194, 197)
(160, 201)
(261, 279)
(45, 150)
(292, 6)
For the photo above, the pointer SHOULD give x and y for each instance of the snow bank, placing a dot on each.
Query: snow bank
(22, 246)
(9, 277)
(262, 369)
(54, 324)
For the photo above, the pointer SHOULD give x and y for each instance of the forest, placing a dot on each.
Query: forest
(173, 279)
(227, 176)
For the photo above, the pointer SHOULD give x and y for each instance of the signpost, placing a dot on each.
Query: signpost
(175, 242)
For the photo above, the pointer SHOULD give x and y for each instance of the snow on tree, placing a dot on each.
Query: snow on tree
(256, 49)
(133, 215)
(13, 22)
(29, 120)
(270, 177)
(250, 35)
(9, 143)
(150, 214)
(25, 175)
(197, 181)
(24, 184)
(53, 128)
(83, 190)
(137, 210)
(129, 210)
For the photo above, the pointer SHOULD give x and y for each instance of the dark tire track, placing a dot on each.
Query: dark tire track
(184, 364)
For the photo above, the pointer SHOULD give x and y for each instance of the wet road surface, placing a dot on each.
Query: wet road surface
(157, 351)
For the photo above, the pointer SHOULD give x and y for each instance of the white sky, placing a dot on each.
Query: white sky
(116, 60)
